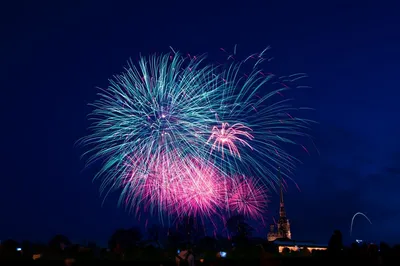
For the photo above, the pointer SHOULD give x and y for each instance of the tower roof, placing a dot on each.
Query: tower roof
(282, 212)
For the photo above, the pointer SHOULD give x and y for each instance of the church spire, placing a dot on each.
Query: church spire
(283, 230)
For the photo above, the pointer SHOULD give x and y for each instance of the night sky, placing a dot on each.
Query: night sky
(54, 55)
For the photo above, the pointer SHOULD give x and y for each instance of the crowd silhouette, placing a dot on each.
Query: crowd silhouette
(128, 245)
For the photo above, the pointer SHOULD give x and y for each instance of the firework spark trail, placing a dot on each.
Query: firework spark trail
(197, 191)
(172, 187)
(354, 216)
(201, 193)
(270, 122)
(161, 113)
(174, 131)
(247, 198)
(228, 136)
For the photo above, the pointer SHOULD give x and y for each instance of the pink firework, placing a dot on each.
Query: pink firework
(247, 198)
(159, 190)
(190, 187)
(227, 137)
(154, 187)
(201, 192)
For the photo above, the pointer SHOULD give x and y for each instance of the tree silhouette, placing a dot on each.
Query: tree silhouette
(153, 233)
(59, 242)
(223, 243)
(335, 244)
(190, 228)
(240, 230)
(174, 239)
(208, 247)
(125, 238)
(207, 243)
(244, 230)
(9, 249)
(185, 227)
(27, 249)
(237, 225)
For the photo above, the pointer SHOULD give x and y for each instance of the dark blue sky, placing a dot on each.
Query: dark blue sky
(53, 56)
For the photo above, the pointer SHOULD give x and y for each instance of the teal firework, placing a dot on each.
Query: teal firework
(163, 118)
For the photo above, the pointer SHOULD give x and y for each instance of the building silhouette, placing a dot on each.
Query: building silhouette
(283, 230)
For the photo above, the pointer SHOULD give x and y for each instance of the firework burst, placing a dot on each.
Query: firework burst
(174, 133)
(247, 197)
(228, 137)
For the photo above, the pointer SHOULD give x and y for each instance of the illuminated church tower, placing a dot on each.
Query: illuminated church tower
(283, 230)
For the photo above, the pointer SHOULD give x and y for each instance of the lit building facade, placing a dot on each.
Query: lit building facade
(297, 246)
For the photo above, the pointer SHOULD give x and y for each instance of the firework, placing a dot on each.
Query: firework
(354, 216)
(175, 132)
(247, 197)
(201, 192)
(227, 137)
